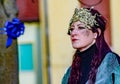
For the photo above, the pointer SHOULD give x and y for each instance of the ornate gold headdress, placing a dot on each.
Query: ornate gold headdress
(84, 15)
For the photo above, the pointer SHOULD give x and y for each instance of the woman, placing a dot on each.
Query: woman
(93, 61)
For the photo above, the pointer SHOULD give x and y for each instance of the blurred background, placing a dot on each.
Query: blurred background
(45, 50)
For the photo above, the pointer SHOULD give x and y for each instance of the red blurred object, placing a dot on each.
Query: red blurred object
(28, 10)
(104, 8)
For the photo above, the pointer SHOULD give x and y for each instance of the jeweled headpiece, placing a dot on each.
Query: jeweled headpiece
(84, 15)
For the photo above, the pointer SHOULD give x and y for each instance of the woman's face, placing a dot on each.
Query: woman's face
(81, 37)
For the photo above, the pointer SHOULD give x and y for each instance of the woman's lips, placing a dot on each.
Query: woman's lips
(73, 40)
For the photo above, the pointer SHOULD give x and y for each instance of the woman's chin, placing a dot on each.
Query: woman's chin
(75, 47)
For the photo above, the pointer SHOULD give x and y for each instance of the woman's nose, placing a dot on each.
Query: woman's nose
(74, 32)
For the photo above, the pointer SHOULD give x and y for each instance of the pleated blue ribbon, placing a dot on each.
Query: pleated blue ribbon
(13, 29)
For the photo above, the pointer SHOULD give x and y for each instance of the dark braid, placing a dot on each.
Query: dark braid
(75, 71)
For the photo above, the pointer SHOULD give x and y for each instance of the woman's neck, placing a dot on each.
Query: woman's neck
(88, 46)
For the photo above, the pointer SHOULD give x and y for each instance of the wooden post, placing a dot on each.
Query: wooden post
(8, 56)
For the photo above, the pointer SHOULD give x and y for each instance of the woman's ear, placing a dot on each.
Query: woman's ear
(95, 35)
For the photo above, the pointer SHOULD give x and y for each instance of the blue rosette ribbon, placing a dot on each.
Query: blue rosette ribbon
(13, 29)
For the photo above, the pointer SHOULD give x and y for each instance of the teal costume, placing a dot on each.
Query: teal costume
(108, 71)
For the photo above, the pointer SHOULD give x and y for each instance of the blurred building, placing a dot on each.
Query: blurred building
(45, 50)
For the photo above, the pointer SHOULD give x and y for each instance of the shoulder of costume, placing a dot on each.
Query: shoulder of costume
(112, 57)
(117, 56)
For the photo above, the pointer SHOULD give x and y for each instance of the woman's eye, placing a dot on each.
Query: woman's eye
(81, 27)
(71, 29)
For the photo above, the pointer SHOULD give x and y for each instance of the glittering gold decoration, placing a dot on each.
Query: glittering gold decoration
(84, 15)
